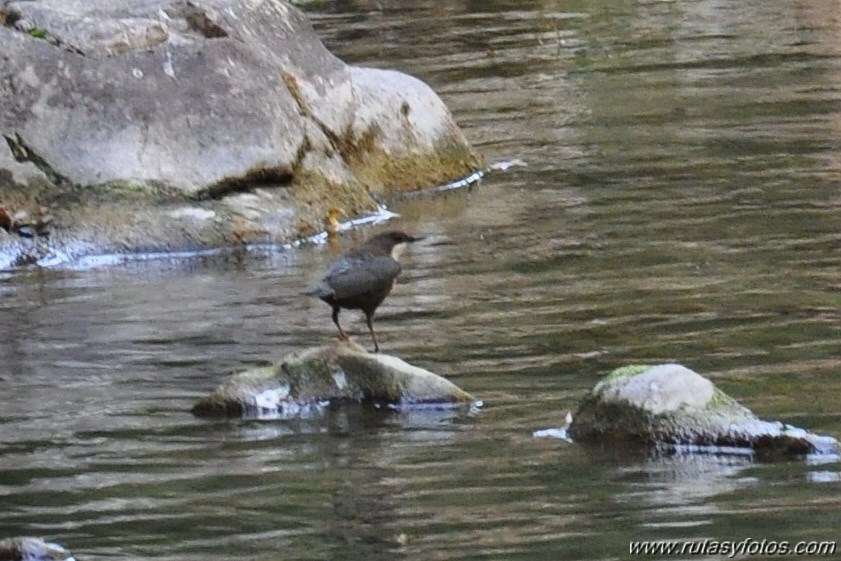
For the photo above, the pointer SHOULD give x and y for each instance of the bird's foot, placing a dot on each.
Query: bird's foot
(343, 337)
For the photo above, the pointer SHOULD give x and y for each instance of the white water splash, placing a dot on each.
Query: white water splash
(90, 260)
(381, 216)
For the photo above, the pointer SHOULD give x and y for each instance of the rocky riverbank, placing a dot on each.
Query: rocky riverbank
(171, 125)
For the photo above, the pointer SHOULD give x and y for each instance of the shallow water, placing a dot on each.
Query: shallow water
(681, 203)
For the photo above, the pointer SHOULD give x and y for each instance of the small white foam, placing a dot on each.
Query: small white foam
(92, 260)
(271, 398)
(381, 216)
(110, 259)
(340, 380)
(505, 165)
(823, 477)
(560, 434)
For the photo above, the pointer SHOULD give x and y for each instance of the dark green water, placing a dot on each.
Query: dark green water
(681, 202)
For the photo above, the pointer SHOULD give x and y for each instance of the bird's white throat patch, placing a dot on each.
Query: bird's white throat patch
(397, 250)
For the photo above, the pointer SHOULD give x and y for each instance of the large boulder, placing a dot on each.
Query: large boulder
(163, 124)
(32, 549)
(307, 382)
(669, 407)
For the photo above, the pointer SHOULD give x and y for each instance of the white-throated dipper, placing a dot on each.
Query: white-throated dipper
(361, 278)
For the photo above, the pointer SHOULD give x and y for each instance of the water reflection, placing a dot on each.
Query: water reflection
(680, 204)
(679, 491)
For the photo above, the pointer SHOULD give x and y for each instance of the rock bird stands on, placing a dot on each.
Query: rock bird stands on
(361, 278)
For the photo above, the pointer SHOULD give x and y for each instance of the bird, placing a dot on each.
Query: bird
(361, 278)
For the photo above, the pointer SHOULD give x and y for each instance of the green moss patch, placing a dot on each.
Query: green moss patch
(619, 374)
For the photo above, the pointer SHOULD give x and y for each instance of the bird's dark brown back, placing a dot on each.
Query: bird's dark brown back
(361, 281)
(362, 277)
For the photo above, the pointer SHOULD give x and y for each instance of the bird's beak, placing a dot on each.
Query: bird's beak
(416, 239)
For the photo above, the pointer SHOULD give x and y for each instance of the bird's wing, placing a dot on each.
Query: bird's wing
(350, 277)
(321, 290)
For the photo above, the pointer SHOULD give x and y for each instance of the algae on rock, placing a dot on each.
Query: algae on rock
(669, 406)
(310, 380)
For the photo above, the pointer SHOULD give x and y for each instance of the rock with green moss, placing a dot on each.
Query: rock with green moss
(669, 407)
(307, 382)
(32, 549)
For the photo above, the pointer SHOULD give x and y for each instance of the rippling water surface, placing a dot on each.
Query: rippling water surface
(681, 202)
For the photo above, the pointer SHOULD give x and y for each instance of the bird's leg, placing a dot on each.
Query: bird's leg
(369, 318)
(342, 335)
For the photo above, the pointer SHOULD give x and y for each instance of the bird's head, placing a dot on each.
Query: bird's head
(392, 242)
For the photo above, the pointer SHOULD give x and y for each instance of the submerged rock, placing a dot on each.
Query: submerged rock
(311, 380)
(117, 115)
(671, 407)
(32, 549)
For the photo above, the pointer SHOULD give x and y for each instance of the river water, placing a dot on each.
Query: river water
(680, 203)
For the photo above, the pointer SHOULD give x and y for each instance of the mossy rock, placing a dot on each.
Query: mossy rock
(307, 381)
(669, 407)
(31, 549)
(262, 149)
